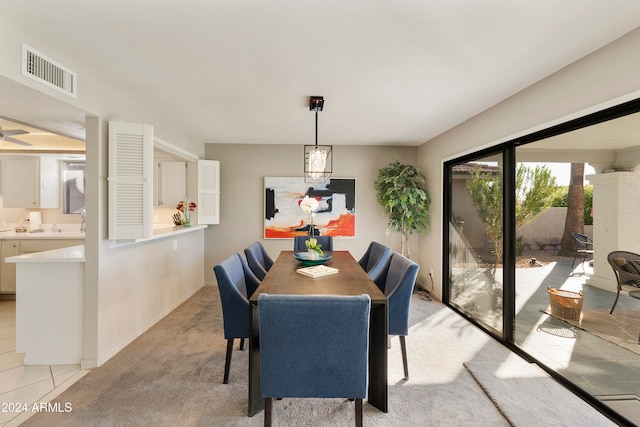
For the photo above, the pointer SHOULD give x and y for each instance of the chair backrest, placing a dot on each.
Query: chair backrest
(626, 267)
(258, 259)
(582, 241)
(375, 260)
(236, 283)
(398, 287)
(325, 241)
(314, 345)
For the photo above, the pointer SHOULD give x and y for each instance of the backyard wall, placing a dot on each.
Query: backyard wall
(545, 231)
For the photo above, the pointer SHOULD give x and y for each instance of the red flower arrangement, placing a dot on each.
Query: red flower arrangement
(180, 207)
(184, 217)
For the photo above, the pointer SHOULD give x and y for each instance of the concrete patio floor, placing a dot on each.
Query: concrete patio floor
(603, 369)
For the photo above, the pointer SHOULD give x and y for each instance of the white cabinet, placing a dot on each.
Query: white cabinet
(26, 246)
(7, 270)
(171, 183)
(32, 182)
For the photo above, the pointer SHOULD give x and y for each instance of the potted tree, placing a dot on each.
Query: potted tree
(399, 189)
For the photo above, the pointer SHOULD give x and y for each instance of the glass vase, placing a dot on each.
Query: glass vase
(186, 215)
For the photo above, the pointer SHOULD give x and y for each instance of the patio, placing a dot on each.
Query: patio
(601, 368)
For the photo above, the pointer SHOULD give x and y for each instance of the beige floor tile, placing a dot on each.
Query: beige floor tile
(22, 376)
(11, 360)
(62, 373)
(7, 344)
(25, 396)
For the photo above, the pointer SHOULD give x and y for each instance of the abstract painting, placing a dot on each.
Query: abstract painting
(284, 218)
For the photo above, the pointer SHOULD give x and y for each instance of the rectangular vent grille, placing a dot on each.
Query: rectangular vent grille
(44, 70)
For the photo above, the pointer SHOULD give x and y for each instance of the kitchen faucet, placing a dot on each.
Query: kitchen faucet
(83, 221)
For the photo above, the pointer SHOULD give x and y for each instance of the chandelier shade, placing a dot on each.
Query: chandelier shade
(318, 159)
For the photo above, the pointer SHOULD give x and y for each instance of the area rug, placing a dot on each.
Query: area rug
(621, 328)
(522, 392)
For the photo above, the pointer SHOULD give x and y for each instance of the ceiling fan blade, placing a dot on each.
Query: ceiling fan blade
(14, 132)
(16, 141)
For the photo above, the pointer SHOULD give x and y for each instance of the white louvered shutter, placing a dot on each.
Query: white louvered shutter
(208, 192)
(130, 180)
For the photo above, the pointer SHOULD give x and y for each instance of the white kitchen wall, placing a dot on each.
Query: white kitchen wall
(124, 292)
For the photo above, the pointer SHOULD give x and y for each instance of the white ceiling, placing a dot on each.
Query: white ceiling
(391, 72)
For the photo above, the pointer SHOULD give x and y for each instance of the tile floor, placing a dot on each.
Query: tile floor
(23, 386)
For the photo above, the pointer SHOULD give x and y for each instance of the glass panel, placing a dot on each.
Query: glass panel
(572, 331)
(475, 241)
(73, 187)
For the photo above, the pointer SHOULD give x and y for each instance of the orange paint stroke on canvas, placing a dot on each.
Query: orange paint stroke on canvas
(344, 226)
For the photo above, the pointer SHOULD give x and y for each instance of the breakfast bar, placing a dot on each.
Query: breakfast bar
(49, 306)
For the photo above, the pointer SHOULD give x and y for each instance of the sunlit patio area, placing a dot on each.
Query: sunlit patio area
(600, 367)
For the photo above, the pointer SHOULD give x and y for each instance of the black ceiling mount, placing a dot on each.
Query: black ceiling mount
(316, 103)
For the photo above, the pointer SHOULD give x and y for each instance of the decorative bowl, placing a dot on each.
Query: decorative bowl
(308, 260)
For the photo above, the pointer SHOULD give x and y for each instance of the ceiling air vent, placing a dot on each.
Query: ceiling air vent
(40, 68)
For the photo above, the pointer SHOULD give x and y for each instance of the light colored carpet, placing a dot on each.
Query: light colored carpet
(172, 376)
(521, 391)
(621, 328)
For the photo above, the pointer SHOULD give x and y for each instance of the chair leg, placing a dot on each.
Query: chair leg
(403, 347)
(227, 361)
(574, 260)
(615, 302)
(241, 344)
(358, 413)
(268, 403)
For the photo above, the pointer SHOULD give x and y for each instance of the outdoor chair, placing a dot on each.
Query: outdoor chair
(325, 241)
(374, 260)
(313, 346)
(236, 283)
(626, 267)
(584, 247)
(398, 287)
(258, 259)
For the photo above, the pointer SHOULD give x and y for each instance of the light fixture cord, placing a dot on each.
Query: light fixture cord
(316, 126)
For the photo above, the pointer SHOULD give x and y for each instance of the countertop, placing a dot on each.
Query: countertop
(12, 235)
(70, 254)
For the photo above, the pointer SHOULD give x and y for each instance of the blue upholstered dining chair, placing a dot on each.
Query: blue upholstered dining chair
(236, 283)
(258, 259)
(375, 260)
(398, 287)
(313, 346)
(325, 241)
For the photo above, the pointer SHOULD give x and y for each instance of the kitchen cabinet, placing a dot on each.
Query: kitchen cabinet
(31, 182)
(170, 183)
(8, 271)
(26, 246)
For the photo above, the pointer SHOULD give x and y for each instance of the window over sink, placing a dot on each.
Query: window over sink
(73, 180)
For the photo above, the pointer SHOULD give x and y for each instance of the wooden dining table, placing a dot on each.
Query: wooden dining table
(351, 279)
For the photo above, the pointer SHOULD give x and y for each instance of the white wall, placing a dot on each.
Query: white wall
(605, 78)
(127, 288)
(242, 172)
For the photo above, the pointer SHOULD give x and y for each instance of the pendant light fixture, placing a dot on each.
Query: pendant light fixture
(318, 159)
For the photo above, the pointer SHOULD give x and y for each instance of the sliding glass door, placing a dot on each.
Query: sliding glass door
(475, 243)
(510, 213)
